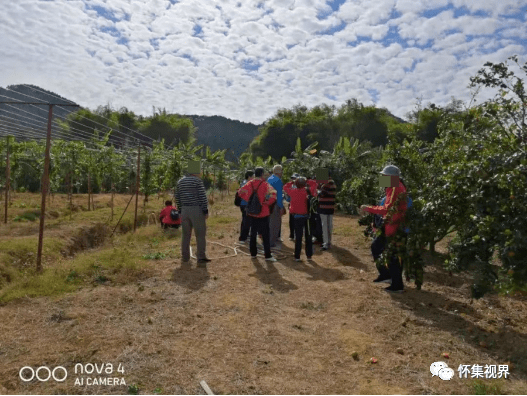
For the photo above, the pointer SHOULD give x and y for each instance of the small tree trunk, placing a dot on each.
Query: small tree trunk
(432, 247)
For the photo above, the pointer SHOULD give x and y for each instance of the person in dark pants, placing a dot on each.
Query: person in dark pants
(393, 212)
(266, 195)
(315, 223)
(291, 217)
(246, 222)
(299, 209)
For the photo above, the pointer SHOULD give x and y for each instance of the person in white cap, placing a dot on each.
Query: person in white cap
(393, 211)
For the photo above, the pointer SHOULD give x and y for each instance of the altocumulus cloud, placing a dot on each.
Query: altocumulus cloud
(245, 59)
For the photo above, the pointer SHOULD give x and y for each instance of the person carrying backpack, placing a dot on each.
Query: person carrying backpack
(259, 196)
(393, 212)
(299, 210)
(169, 216)
(245, 227)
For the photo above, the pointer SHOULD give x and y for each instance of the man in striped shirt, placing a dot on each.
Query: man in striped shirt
(192, 202)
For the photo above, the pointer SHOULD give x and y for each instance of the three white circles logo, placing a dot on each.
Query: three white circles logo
(43, 373)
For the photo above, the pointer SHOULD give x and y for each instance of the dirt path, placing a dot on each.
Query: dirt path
(253, 327)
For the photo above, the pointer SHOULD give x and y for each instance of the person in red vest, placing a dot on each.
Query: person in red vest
(299, 210)
(259, 221)
(393, 212)
(167, 219)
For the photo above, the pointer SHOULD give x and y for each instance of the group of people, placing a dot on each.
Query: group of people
(271, 194)
(262, 203)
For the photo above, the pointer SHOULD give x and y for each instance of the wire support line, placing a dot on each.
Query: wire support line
(105, 126)
(85, 136)
(123, 141)
(25, 134)
(32, 127)
(57, 96)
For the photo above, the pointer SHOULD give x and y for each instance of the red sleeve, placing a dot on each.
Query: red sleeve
(287, 187)
(246, 191)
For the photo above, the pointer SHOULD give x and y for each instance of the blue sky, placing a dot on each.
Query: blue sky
(246, 59)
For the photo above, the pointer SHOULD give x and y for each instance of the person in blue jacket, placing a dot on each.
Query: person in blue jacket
(246, 223)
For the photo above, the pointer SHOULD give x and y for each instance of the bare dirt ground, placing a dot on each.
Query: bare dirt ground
(254, 327)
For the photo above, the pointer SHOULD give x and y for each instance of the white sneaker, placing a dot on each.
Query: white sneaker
(270, 259)
(298, 260)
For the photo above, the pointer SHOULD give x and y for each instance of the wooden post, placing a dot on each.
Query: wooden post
(7, 176)
(89, 191)
(70, 191)
(137, 180)
(113, 193)
(45, 184)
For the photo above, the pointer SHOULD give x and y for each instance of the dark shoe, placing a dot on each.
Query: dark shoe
(204, 260)
(382, 280)
(324, 248)
(390, 289)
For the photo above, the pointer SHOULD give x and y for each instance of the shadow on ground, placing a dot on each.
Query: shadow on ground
(269, 275)
(190, 277)
(504, 344)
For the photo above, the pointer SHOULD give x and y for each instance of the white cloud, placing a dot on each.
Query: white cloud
(138, 53)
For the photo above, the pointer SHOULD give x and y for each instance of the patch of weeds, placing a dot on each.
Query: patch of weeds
(154, 256)
(479, 387)
(30, 215)
(158, 391)
(133, 389)
(73, 277)
(312, 307)
(101, 279)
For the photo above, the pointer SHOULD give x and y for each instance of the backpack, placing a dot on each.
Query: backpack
(174, 214)
(312, 203)
(237, 199)
(254, 207)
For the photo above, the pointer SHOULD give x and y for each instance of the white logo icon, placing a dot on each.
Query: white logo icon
(27, 369)
(446, 374)
(436, 366)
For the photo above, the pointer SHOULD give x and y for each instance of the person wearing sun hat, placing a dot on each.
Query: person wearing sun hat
(393, 212)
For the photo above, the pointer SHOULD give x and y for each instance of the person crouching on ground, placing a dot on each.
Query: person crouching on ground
(299, 210)
(266, 196)
(168, 218)
(393, 212)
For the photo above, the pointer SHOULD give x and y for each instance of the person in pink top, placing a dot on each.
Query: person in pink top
(299, 211)
(393, 211)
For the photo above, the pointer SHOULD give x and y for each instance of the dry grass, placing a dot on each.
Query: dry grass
(253, 327)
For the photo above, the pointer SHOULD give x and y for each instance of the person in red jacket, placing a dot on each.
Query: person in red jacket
(166, 220)
(259, 222)
(299, 210)
(393, 212)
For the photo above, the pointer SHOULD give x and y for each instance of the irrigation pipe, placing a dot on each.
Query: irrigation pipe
(276, 252)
